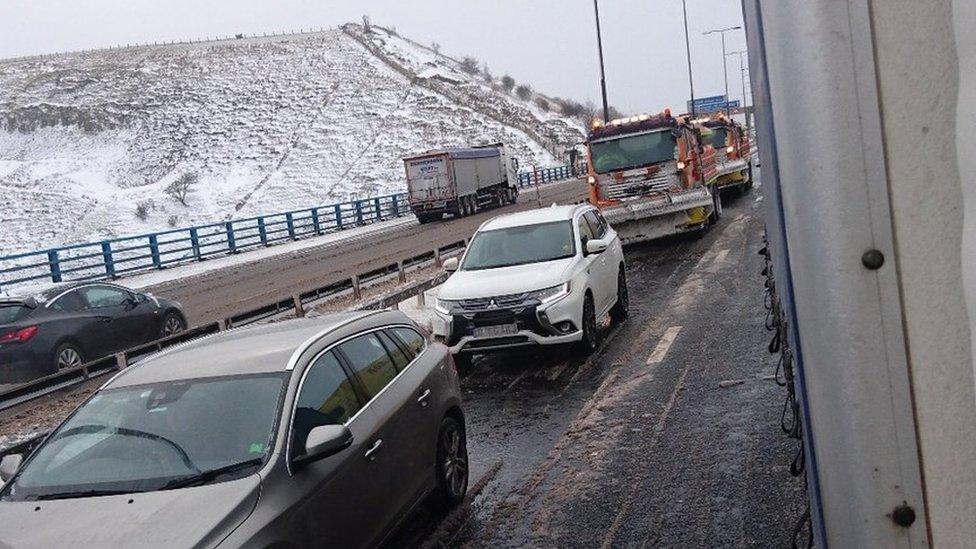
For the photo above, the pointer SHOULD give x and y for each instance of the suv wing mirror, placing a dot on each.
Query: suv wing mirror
(451, 264)
(324, 441)
(9, 466)
(595, 246)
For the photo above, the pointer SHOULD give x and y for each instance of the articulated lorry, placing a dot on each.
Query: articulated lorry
(460, 181)
(652, 175)
(733, 152)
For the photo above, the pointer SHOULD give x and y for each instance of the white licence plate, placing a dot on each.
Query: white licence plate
(496, 331)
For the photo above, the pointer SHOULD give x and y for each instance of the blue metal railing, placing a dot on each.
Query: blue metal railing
(545, 175)
(110, 259)
(118, 256)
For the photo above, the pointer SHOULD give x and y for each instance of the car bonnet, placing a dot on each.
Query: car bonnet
(186, 517)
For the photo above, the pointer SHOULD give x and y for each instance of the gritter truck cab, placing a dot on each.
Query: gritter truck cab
(733, 153)
(652, 176)
(460, 181)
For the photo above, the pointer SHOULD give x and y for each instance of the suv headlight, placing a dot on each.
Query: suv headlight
(551, 294)
(443, 306)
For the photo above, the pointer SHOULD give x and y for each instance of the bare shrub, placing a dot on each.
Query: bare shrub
(367, 26)
(469, 65)
(173, 220)
(542, 103)
(571, 108)
(524, 92)
(508, 83)
(181, 188)
(142, 210)
(436, 47)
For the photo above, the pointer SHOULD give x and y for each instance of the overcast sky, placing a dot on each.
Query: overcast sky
(550, 44)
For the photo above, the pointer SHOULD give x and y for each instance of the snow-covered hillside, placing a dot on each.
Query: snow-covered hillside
(267, 124)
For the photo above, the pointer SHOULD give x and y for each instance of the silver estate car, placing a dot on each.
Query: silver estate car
(319, 432)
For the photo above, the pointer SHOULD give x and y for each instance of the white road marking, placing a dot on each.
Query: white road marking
(720, 257)
(662, 346)
(516, 380)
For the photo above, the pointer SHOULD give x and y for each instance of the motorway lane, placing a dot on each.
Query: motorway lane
(639, 445)
(217, 294)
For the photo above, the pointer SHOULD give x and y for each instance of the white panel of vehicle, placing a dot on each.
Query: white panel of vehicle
(428, 178)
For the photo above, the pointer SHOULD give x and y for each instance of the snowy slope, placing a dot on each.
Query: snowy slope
(268, 124)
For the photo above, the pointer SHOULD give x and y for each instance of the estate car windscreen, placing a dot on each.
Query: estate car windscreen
(520, 245)
(156, 437)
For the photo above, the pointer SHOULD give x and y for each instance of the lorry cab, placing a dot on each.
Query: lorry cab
(652, 175)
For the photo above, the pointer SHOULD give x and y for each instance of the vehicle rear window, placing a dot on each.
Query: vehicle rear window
(12, 313)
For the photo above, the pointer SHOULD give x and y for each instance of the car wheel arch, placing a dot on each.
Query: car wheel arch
(457, 414)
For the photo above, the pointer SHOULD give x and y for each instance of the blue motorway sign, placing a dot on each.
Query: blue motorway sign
(712, 103)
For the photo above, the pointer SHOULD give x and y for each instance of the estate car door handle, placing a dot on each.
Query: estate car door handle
(422, 399)
(370, 454)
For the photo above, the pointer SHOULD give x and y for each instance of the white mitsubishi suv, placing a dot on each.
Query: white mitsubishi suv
(539, 277)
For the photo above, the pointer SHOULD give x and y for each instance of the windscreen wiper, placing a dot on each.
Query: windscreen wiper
(207, 476)
(82, 494)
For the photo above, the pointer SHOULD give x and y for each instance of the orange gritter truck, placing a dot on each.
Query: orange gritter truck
(652, 176)
(732, 151)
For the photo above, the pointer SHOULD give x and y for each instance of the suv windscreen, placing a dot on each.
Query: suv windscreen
(152, 437)
(520, 245)
(12, 312)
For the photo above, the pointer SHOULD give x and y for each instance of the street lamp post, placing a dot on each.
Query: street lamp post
(691, 81)
(742, 74)
(603, 77)
(725, 72)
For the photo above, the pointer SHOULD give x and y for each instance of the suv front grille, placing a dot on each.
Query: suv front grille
(513, 301)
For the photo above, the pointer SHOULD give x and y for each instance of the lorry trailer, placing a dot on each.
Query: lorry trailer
(460, 181)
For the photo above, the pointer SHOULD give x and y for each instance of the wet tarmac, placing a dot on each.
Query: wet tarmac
(641, 444)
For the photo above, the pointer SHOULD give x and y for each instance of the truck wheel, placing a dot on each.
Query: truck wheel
(474, 204)
(716, 206)
(424, 218)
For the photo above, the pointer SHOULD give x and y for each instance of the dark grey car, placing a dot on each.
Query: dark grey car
(305, 433)
(68, 325)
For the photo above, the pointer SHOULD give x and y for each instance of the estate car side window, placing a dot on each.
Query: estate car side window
(400, 359)
(372, 364)
(103, 296)
(411, 339)
(586, 234)
(70, 301)
(599, 229)
(327, 398)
